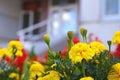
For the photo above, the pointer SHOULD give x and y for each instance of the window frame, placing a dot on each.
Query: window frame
(106, 17)
(31, 17)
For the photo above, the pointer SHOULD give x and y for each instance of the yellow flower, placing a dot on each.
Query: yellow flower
(15, 48)
(116, 37)
(87, 78)
(80, 51)
(53, 75)
(36, 69)
(114, 73)
(14, 76)
(97, 47)
(3, 52)
(53, 65)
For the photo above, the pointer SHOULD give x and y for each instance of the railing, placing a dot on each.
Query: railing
(33, 33)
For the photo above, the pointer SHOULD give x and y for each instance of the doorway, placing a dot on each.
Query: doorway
(63, 18)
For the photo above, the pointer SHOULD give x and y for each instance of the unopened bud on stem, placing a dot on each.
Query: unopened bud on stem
(70, 35)
(83, 31)
(46, 39)
(109, 43)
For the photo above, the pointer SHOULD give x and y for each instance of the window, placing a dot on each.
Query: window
(111, 9)
(25, 20)
(31, 26)
(29, 18)
(36, 17)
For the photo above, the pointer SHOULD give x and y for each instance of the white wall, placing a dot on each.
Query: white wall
(90, 10)
(9, 17)
(91, 18)
(104, 31)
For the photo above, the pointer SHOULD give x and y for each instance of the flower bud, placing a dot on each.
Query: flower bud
(83, 31)
(70, 34)
(46, 38)
(109, 43)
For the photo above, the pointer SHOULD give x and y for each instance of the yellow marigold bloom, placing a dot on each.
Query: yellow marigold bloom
(80, 51)
(3, 52)
(36, 69)
(114, 73)
(15, 47)
(14, 76)
(116, 37)
(53, 75)
(97, 47)
(87, 78)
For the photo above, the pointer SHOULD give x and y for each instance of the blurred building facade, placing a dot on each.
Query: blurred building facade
(100, 17)
(55, 17)
(30, 19)
(9, 20)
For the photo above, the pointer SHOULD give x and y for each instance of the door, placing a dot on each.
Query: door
(63, 19)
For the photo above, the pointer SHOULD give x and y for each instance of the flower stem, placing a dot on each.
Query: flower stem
(109, 45)
(83, 69)
(109, 53)
(49, 48)
(84, 39)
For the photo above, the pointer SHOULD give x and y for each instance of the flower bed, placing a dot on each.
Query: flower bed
(79, 60)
